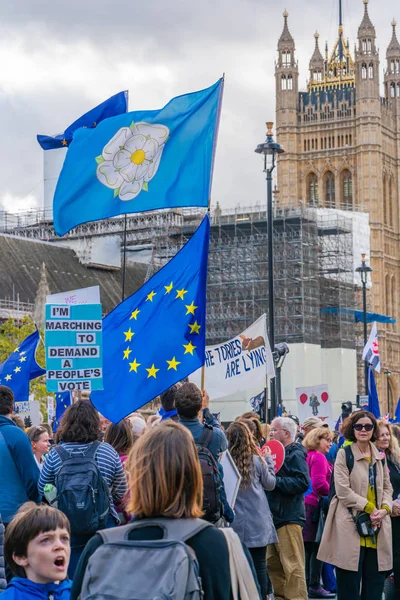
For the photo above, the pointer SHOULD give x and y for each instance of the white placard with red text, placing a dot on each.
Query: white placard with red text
(314, 401)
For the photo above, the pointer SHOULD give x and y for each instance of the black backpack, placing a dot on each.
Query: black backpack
(82, 494)
(212, 481)
(349, 464)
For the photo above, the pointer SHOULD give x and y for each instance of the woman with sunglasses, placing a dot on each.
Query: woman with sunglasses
(362, 488)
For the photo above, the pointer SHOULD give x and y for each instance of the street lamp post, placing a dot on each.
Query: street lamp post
(388, 374)
(364, 271)
(270, 149)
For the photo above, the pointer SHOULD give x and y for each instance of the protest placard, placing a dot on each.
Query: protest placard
(241, 364)
(29, 411)
(89, 295)
(232, 478)
(314, 401)
(73, 344)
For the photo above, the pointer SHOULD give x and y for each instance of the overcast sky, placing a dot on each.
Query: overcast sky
(59, 59)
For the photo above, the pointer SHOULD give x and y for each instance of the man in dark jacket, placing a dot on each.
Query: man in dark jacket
(19, 472)
(285, 560)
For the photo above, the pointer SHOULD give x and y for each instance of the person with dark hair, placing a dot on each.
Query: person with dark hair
(357, 537)
(167, 399)
(78, 437)
(37, 550)
(189, 401)
(19, 472)
(121, 438)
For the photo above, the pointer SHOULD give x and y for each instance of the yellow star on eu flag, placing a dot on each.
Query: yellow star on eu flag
(194, 327)
(134, 366)
(151, 296)
(17, 369)
(172, 364)
(127, 353)
(128, 335)
(64, 142)
(168, 288)
(152, 372)
(189, 348)
(22, 359)
(134, 314)
(190, 308)
(180, 294)
(8, 377)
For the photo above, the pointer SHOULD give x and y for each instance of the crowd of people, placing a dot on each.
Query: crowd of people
(140, 509)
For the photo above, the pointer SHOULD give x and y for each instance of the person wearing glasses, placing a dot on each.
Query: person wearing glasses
(357, 538)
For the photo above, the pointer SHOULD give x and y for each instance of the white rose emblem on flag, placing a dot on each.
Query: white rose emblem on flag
(131, 159)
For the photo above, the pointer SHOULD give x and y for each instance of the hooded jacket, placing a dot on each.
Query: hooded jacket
(21, 588)
(286, 501)
(19, 472)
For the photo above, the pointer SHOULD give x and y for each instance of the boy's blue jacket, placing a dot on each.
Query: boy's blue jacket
(19, 472)
(21, 588)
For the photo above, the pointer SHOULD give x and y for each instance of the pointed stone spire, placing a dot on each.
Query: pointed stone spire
(317, 60)
(40, 300)
(286, 36)
(393, 50)
(366, 28)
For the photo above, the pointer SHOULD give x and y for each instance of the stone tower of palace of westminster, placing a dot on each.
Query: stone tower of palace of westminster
(342, 150)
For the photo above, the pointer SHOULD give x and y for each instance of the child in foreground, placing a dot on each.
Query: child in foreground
(37, 550)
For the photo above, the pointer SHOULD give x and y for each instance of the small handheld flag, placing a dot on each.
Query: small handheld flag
(63, 401)
(373, 401)
(21, 366)
(156, 337)
(140, 161)
(371, 350)
(116, 105)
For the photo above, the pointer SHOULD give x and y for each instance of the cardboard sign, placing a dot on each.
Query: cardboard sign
(90, 295)
(232, 478)
(29, 411)
(73, 343)
(277, 453)
(314, 401)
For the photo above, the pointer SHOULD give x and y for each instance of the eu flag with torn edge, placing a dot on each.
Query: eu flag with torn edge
(115, 105)
(156, 337)
(21, 366)
(140, 161)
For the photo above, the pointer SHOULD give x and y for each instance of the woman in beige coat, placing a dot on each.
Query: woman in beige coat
(359, 561)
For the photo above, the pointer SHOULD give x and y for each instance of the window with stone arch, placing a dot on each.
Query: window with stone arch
(286, 58)
(371, 71)
(283, 82)
(347, 190)
(364, 45)
(290, 82)
(393, 296)
(329, 190)
(369, 45)
(312, 189)
(398, 90)
(392, 90)
(363, 71)
(392, 66)
(385, 199)
(397, 66)
(390, 202)
(387, 295)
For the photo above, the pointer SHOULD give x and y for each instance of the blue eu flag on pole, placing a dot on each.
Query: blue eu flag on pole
(156, 337)
(140, 161)
(116, 105)
(373, 401)
(21, 366)
(63, 401)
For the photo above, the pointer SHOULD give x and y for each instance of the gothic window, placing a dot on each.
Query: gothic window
(369, 46)
(390, 203)
(392, 66)
(338, 140)
(364, 71)
(398, 90)
(289, 82)
(387, 295)
(347, 190)
(330, 190)
(305, 146)
(397, 66)
(364, 45)
(347, 140)
(283, 83)
(393, 294)
(392, 90)
(312, 189)
(286, 58)
(385, 207)
(371, 71)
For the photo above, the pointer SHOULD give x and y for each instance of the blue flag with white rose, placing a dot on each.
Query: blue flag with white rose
(141, 161)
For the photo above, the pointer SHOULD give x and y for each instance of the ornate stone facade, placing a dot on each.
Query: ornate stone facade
(342, 150)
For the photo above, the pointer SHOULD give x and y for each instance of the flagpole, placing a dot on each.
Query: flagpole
(124, 259)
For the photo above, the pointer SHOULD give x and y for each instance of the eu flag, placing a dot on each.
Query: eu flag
(156, 337)
(140, 161)
(116, 105)
(21, 366)
(63, 401)
(373, 401)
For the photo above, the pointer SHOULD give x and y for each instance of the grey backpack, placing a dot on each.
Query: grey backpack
(165, 569)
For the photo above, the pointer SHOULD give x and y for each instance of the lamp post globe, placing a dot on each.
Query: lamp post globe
(270, 150)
